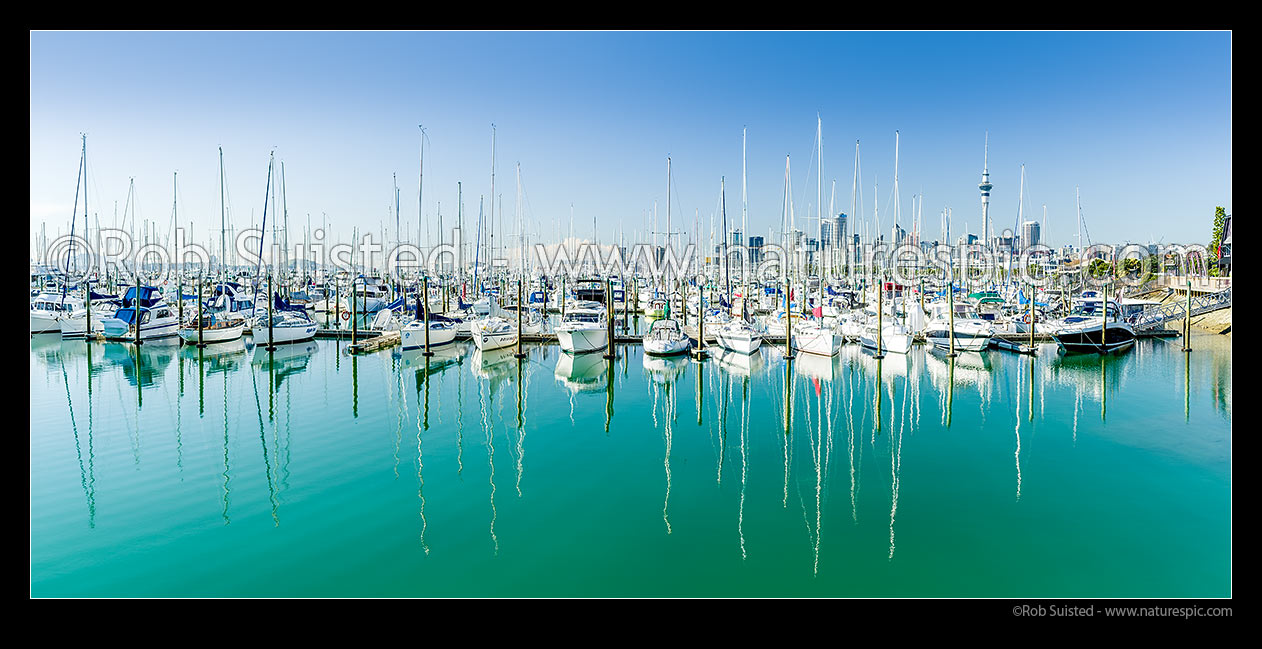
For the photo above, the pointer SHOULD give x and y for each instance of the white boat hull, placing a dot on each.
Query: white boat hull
(116, 329)
(414, 337)
(581, 341)
(222, 335)
(283, 335)
(43, 324)
(743, 341)
(816, 340)
(892, 341)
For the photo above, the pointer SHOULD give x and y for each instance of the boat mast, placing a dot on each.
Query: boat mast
(745, 258)
(420, 195)
(819, 205)
(491, 217)
(727, 270)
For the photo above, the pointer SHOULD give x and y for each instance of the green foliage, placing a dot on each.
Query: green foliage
(1216, 239)
(1098, 268)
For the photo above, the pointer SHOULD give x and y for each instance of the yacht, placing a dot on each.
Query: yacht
(1086, 330)
(813, 337)
(738, 336)
(493, 333)
(157, 321)
(48, 309)
(289, 324)
(665, 338)
(370, 295)
(585, 329)
(215, 328)
(441, 332)
(972, 333)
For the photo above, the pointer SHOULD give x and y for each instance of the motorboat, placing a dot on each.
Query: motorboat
(584, 329)
(1083, 332)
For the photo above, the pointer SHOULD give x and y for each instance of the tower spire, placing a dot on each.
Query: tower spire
(985, 187)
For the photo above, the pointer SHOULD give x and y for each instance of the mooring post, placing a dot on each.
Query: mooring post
(271, 339)
(135, 305)
(425, 297)
(788, 320)
(1031, 319)
(612, 353)
(519, 353)
(1187, 320)
(880, 308)
(87, 333)
(200, 343)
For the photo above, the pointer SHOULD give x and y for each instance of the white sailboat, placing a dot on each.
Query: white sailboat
(666, 337)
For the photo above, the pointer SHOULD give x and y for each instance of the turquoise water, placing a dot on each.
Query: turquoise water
(316, 473)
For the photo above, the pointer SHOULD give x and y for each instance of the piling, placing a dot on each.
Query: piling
(611, 354)
(427, 353)
(519, 353)
(880, 313)
(135, 306)
(1187, 320)
(271, 339)
(200, 343)
(87, 333)
(788, 321)
(1032, 318)
(1104, 322)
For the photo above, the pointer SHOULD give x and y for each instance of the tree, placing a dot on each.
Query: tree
(1216, 239)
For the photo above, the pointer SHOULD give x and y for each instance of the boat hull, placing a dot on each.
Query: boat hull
(414, 337)
(582, 341)
(283, 335)
(1118, 338)
(743, 342)
(219, 335)
(965, 342)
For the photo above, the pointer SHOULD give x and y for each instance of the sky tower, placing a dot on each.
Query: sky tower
(985, 187)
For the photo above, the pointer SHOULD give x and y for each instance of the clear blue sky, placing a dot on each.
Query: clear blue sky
(1141, 121)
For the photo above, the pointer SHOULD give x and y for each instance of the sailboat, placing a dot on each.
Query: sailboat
(811, 335)
(738, 334)
(665, 337)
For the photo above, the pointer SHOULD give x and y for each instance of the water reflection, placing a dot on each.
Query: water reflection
(663, 371)
(820, 400)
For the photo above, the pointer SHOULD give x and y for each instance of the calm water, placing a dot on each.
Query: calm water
(314, 473)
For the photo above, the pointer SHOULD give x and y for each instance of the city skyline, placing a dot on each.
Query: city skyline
(1144, 130)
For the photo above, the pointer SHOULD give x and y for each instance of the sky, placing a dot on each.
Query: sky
(1140, 122)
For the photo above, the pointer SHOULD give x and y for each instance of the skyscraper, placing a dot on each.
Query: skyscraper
(1030, 234)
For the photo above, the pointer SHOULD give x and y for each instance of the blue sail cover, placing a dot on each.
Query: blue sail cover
(97, 296)
(282, 305)
(147, 294)
(1021, 299)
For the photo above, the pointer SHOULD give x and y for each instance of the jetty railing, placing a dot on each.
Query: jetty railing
(1156, 316)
